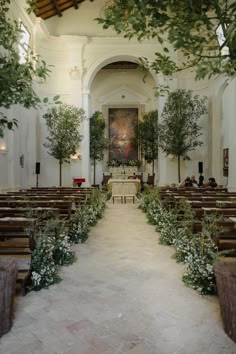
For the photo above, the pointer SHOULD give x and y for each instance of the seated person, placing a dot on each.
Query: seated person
(186, 183)
(211, 182)
(194, 182)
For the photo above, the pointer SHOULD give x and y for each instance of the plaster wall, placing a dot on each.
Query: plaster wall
(78, 48)
(77, 76)
(121, 88)
(228, 132)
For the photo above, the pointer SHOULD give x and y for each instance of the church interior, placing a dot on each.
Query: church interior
(124, 294)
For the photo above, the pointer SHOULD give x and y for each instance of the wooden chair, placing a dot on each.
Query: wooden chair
(117, 191)
(151, 180)
(129, 191)
(105, 181)
(140, 177)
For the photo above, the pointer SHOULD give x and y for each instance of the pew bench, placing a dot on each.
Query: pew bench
(15, 243)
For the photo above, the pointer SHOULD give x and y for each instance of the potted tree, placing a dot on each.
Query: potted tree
(98, 142)
(146, 137)
(63, 123)
(179, 130)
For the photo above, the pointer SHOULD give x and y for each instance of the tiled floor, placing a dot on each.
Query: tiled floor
(123, 296)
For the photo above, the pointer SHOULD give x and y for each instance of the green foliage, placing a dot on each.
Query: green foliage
(118, 163)
(179, 131)
(16, 79)
(98, 142)
(200, 260)
(147, 197)
(197, 251)
(146, 137)
(183, 25)
(53, 245)
(63, 123)
(86, 216)
(44, 270)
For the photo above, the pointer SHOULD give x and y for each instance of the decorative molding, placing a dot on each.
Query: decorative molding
(118, 96)
(74, 73)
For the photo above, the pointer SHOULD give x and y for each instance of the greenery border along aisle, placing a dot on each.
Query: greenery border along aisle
(197, 251)
(53, 240)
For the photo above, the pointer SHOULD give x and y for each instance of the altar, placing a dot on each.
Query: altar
(128, 183)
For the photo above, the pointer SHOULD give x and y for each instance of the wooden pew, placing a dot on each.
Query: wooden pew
(15, 243)
(64, 207)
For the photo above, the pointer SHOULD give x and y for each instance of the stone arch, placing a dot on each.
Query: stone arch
(105, 60)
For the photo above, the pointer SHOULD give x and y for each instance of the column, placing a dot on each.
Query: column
(86, 167)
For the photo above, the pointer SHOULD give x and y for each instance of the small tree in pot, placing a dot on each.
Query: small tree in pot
(98, 143)
(63, 122)
(179, 131)
(146, 137)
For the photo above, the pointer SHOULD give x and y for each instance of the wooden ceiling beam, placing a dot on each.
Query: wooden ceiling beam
(76, 5)
(49, 8)
(56, 7)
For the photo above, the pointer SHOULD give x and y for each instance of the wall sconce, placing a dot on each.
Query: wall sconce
(3, 146)
(74, 73)
(76, 156)
(171, 157)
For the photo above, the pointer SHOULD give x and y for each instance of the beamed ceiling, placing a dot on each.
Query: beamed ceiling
(49, 8)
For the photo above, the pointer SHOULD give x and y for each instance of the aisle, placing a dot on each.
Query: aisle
(123, 296)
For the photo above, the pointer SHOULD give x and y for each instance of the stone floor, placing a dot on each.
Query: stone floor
(123, 296)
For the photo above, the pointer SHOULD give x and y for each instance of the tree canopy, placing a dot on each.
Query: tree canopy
(63, 124)
(179, 130)
(146, 137)
(98, 142)
(203, 30)
(16, 78)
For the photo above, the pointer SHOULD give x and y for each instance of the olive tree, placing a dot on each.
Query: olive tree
(146, 137)
(179, 130)
(98, 142)
(63, 123)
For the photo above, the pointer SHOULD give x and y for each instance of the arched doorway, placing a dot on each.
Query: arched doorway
(117, 84)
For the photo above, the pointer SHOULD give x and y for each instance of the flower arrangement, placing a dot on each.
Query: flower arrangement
(114, 163)
(118, 163)
(87, 216)
(198, 252)
(53, 243)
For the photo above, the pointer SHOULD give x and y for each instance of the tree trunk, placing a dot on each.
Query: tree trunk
(153, 166)
(179, 169)
(94, 171)
(60, 173)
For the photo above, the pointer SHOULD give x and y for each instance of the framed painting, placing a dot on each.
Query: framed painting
(122, 124)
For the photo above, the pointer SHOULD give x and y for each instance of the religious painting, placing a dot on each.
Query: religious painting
(122, 124)
(226, 162)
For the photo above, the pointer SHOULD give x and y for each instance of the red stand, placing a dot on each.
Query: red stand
(78, 181)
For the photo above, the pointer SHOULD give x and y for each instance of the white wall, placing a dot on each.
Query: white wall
(78, 48)
(228, 132)
(120, 88)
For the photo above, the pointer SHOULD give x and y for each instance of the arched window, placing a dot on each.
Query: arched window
(23, 43)
(221, 40)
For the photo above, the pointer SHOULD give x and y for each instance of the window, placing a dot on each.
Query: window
(24, 43)
(221, 40)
